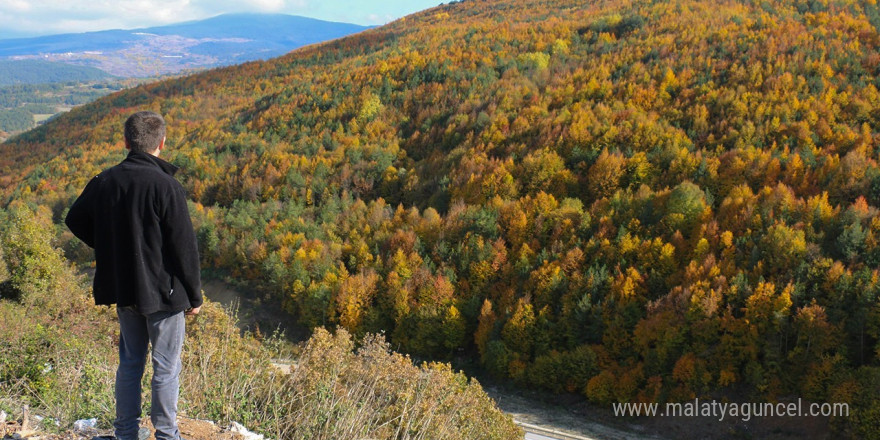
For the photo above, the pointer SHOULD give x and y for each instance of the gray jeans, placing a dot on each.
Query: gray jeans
(165, 331)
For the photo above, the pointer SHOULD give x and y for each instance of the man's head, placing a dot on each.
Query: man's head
(145, 132)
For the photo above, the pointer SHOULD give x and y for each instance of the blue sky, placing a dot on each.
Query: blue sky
(20, 18)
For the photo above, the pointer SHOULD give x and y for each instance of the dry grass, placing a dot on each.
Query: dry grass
(336, 390)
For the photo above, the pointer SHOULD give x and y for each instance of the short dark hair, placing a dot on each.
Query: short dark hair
(144, 131)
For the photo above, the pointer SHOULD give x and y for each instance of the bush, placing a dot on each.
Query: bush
(339, 392)
(36, 270)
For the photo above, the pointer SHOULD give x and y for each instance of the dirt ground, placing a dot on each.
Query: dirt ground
(190, 429)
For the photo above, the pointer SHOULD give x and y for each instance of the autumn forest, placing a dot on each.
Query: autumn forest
(632, 200)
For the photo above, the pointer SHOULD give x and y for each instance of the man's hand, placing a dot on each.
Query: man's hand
(193, 311)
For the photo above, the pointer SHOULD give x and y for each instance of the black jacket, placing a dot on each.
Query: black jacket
(135, 217)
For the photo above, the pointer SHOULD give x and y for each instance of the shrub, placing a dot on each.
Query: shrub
(339, 392)
(36, 270)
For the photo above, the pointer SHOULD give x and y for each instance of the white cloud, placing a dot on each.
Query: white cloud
(270, 5)
(58, 16)
(17, 5)
(380, 19)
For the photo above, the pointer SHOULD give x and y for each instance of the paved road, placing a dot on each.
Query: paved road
(531, 436)
(535, 432)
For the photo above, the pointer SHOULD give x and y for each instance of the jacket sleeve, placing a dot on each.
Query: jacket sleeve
(81, 216)
(179, 240)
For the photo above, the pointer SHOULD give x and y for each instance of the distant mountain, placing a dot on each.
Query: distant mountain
(222, 40)
(41, 72)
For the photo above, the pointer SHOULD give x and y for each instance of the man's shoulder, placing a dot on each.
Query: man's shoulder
(144, 173)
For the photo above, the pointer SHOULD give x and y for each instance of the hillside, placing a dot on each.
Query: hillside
(217, 41)
(41, 72)
(634, 201)
(22, 106)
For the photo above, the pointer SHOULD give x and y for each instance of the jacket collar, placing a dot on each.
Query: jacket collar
(146, 158)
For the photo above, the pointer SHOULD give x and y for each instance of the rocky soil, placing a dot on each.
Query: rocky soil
(190, 429)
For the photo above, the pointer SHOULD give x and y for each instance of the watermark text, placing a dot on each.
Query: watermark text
(721, 410)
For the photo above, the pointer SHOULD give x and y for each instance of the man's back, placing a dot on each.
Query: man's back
(135, 217)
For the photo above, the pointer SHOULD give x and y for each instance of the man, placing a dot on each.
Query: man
(135, 217)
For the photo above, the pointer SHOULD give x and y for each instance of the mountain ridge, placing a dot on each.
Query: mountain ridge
(220, 40)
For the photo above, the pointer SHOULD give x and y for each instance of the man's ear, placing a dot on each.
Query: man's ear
(162, 144)
(127, 145)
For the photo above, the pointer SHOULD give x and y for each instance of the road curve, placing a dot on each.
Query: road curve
(533, 436)
(535, 432)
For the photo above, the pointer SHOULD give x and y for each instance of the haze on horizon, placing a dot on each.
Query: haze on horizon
(31, 18)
